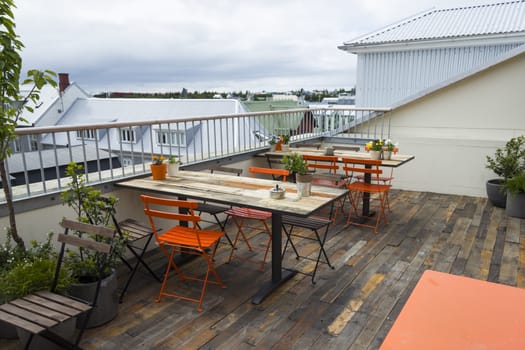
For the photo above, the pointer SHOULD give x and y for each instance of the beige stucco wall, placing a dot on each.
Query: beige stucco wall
(451, 131)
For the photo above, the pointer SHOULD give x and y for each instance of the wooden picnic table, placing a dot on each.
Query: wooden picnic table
(245, 192)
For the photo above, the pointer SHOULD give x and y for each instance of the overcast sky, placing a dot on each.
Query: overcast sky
(224, 45)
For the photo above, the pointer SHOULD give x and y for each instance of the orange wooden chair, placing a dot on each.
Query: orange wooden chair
(358, 189)
(385, 179)
(326, 163)
(242, 217)
(183, 239)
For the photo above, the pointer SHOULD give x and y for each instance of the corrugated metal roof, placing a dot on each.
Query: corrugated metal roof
(472, 21)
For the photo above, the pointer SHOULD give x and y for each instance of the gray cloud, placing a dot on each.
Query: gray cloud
(223, 45)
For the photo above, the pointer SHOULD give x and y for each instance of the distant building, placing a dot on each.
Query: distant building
(406, 58)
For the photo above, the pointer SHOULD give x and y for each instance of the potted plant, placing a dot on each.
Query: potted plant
(297, 166)
(375, 148)
(173, 165)
(90, 206)
(158, 168)
(388, 148)
(515, 187)
(506, 163)
(273, 143)
(285, 147)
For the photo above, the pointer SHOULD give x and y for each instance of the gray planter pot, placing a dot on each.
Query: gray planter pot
(516, 205)
(495, 194)
(107, 304)
(304, 184)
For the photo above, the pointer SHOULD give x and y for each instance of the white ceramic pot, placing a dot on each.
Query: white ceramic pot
(375, 154)
(173, 169)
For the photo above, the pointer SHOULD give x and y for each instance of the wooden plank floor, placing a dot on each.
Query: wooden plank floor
(350, 307)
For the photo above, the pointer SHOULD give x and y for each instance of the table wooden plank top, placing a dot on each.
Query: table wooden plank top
(239, 191)
(397, 159)
(450, 312)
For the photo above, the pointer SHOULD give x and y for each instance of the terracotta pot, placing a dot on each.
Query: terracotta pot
(158, 171)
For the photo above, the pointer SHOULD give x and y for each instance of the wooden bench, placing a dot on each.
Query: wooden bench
(40, 313)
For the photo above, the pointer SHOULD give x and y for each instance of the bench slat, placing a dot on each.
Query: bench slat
(28, 316)
(41, 310)
(53, 306)
(19, 322)
(64, 300)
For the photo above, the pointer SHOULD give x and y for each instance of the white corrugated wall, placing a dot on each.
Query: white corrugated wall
(384, 78)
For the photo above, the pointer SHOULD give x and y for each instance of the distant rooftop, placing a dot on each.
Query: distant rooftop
(482, 21)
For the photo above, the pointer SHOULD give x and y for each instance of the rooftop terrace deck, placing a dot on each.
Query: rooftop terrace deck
(351, 307)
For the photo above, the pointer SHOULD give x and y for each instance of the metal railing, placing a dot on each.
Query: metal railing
(113, 151)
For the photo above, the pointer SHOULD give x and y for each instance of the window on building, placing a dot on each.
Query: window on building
(34, 142)
(90, 134)
(171, 138)
(128, 135)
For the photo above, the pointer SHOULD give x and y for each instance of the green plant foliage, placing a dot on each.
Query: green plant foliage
(90, 207)
(295, 163)
(509, 161)
(25, 271)
(516, 183)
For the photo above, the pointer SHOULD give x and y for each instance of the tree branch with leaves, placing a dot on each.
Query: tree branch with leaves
(12, 103)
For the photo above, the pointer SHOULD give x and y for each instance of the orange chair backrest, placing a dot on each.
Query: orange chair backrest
(360, 165)
(157, 207)
(280, 172)
(321, 162)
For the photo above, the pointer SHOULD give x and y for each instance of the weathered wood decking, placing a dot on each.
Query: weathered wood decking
(350, 307)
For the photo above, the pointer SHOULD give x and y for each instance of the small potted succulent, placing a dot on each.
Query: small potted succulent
(173, 165)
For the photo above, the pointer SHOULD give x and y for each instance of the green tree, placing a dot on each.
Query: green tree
(12, 103)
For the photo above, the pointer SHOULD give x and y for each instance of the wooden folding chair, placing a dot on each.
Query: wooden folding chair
(314, 224)
(327, 164)
(137, 238)
(183, 239)
(214, 209)
(370, 168)
(41, 313)
(243, 216)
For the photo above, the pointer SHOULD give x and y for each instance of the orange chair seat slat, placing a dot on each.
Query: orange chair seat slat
(180, 235)
(248, 213)
(366, 187)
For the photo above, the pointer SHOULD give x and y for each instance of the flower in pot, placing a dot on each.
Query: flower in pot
(285, 139)
(515, 187)
(506, 163)
(273, 143)
(298, 167)
(389, 147)
(158, 167)
(91, 207)
(173, 165)
(375, 147)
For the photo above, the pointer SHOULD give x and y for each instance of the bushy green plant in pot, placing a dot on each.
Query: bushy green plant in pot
(515, 187)
(506, 163)
(91, 207)
(297, 166)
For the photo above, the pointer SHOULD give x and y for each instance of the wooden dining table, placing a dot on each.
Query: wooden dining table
(396, 160)
(244, 192)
